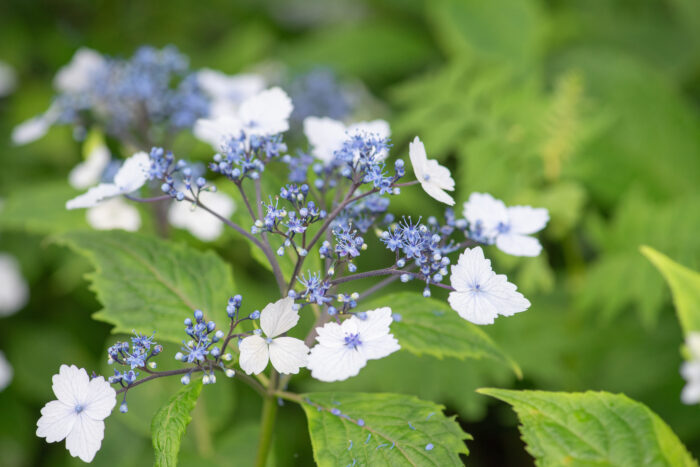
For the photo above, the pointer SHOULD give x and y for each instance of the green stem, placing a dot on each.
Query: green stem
(267, 425)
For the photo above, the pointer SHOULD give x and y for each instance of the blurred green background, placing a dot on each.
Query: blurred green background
(587, 108)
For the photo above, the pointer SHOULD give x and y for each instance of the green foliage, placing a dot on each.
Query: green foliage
(592, 428)
(685, 286)
(141, 281)
(666, 226)
(41, 208)
(430, 327)
(170, 423)
(396, 430)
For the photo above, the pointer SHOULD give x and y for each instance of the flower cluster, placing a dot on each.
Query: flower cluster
(144, 98)
(179, 179)
(201, 345)
(245, 155)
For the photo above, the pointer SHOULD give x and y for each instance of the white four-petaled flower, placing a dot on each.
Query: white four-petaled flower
(132, 175)
(326, 136)
(78, 413)
(490, 221)
(480, 294)
(690, 370)
(287, 354)
(264, 114)
(344, 349)
(228, 92)
(433, 177)
(199, 222)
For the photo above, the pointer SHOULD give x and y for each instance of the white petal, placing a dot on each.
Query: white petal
(279, 317)
(70, 385)
(57, 420)
(472, 307)
(267, 113)
(288, 354)
(437, 193)
(504, 296)
(325, 136)
(31, 130)
(527, 220)
(88, 173)
(691, 371)
(471, 268)
(133, 174)
(199, 222)
(77, 75)
(93, 196)
(215, 130)
(6, 372)
(375, 325)
(691, 393)
(334, 364)
(254, 354)
(332, 335)
(14, 290)
(100, 399)
(112, 214)
(418, 156)
(485, 209)
(233, 89)
(85, 439)
(518, 245)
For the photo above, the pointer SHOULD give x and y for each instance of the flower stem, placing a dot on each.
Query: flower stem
(267, 422)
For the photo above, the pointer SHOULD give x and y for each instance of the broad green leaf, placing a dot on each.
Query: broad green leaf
(507, 30)
(148, 284)
(395, 430)
(41, 208)
(592, 428)
(426, 326)
(685, 286)
(170, 422)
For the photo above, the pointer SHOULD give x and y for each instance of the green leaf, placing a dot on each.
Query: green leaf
(685, 286)
(396, 430)
(148, 284)
(592, 428)
(430, 327)
(170, 422)
(474, 27)
(41, 208)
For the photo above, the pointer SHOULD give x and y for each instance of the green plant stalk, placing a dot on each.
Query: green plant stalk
(267, 422)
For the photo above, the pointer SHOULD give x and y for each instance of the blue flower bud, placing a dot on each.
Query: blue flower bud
(255, 314)
(123, 408)
(198, 315)
(185, 379)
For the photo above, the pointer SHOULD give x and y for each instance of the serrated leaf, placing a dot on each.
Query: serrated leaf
(148, 284)
(170, 422)
(685, 286)
(430, 327)
(592, 428)
(395, 430)
(41, 208)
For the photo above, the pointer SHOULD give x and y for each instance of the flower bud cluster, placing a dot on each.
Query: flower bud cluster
(245, 156)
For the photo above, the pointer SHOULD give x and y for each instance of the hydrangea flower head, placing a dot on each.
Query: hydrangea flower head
(344, 349)
(287, 354)
(490, 221)
(480, 294)
(132, 175)
(433, 177)
(78, 413)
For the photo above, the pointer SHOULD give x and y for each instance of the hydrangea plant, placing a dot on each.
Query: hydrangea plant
(309, 231)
